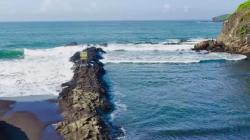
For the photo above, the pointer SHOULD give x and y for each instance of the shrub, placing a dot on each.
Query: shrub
(243, 6)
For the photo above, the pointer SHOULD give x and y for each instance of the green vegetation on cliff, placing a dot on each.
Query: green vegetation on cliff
(243, 31)
(244, 11)
(236, 31)
(243, 6)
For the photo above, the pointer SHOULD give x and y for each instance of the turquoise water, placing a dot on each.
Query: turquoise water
(160, 87)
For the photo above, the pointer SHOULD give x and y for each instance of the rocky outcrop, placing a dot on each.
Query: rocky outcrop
(210, 45)
(236, 31)
(83, 100)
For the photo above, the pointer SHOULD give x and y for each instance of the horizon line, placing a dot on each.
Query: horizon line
(12, 21)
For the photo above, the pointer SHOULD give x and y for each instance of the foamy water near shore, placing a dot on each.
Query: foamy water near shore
(42, 71)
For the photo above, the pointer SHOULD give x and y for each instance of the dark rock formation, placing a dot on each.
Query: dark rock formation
(210, 45)
(84, 100)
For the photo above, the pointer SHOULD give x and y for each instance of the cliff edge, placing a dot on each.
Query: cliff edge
(236, 31)
(235, 35)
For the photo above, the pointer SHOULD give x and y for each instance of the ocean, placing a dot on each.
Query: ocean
(161, 89)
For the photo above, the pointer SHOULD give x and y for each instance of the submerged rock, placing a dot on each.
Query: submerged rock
(84, 100)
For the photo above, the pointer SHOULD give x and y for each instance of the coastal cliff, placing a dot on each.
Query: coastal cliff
(235, 35)
(83, 100)
(221, 18)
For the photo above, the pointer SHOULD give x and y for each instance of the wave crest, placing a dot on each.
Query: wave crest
(12, 54)
(40, 72)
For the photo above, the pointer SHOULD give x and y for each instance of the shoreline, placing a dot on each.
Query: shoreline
(216, 46)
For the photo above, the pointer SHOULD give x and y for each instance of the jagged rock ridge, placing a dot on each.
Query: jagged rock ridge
(84, 100)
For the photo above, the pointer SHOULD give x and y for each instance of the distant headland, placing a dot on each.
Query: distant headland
(221, 18)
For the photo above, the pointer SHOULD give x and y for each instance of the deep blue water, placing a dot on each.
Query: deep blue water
(182, 101)
(161, 89)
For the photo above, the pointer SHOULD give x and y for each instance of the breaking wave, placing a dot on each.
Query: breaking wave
(11, 54)
(42, 71)
(163, 53)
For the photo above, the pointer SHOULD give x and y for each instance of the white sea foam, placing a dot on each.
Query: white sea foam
(196, 40)
(42, 71)
(178, 58)
(123, 137)
(159, 53)
(119, 108)
(147, 47)
(171, 41)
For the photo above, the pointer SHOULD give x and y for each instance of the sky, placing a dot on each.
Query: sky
(86, 10)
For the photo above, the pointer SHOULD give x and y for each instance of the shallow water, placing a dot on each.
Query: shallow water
(182, 101)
